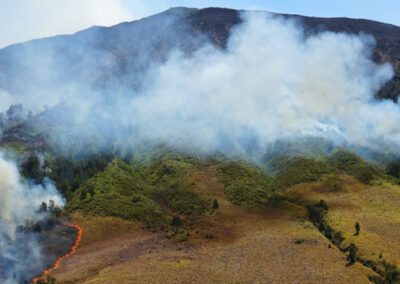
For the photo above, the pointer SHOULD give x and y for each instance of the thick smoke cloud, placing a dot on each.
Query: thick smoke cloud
(272, 82)
(20, 251)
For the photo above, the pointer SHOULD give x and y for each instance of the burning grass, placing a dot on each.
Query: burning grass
(58, 261)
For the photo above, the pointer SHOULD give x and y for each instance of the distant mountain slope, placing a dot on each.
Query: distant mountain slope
(109, 57)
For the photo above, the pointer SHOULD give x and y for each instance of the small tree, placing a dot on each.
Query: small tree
(215, 205)
(352, 254)
(51, 207)
(392, 275)
(393, 169)
(43, 208)
(323, 204)
(357, 227)
(338, 238)
(57, 211)
(176, 221)
(328, 232)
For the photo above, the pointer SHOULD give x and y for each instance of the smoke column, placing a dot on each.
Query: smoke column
(20, 253)
(271, 83)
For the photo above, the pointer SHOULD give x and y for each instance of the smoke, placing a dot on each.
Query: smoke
(272, 82)
(20, 250)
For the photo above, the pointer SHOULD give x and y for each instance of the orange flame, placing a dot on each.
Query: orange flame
(57, 263)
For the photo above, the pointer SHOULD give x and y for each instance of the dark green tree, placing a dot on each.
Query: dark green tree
(215, 204)
(352, 254)
(393, 169)
(176, 221)
(43, 208)
(31, 169)
(51, 206)
(337, 238)
(392, 275)
(323, 204)
(57, 212)
(357, 227)
(328, 232)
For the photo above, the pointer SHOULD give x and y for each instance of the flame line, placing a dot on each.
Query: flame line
(57, 263)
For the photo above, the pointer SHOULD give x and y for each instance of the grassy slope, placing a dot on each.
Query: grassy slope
(168, 186)
(118, 191)
(261, 243)
(374, 207)
(246, 247)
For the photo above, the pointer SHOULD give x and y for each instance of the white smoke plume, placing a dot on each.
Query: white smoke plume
(20, 252)
(271, 83)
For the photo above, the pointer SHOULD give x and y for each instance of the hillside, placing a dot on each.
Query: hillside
(111, 57)
(247, 203)
(232, 213)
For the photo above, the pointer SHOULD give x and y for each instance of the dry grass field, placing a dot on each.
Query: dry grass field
(276, 245)
(264, 251)
(375, 207)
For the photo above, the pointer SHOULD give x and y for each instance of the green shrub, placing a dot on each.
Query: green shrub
(176, 221)
(245, 185)
(393, 169)
(48, 280)
(353, 165)
(184, 201)
(351, 257)
(118, 191)
(215, 204)
(300, 170)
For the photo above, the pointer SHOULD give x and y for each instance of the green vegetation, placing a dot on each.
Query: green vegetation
(298, 170)
(31, 169)
(317, 214)
(245, 185)
(16, 147)
(353, 165)
(118, 191)
(391, 275)
(183, 201)
(180, 192)
(351, 257)
(299, 241)
(152, 194)
(48, 280)
(215, 204)
(357, 227)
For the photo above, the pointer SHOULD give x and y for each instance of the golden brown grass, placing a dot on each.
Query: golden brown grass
(375, 207)
(258, 247)
(264, 251)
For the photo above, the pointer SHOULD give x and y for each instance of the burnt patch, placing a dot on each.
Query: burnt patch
(56, 240)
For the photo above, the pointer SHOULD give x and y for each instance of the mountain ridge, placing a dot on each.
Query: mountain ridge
(130, 46)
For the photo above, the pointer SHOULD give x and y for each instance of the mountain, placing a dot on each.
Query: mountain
(308, 211)
(109, 57)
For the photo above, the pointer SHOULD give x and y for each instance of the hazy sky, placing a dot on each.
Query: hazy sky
(21, 20)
